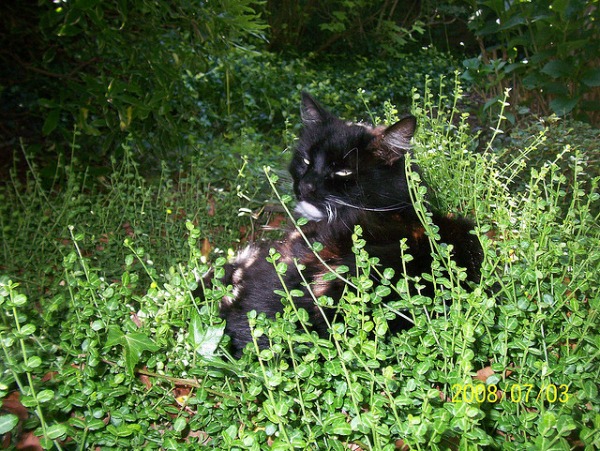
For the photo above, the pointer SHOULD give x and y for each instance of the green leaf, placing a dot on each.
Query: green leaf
(46, 442)
(95, 424)
(556, 89)
(34, 362)
(590, 389)
(19, 299)
(472, 64)
(123, 430)
(170, 443)
(45, 395)
(565, 425)
(341, 427)
(179, 424)
(115, 336)
(490, 102)
(27, 329)
(56, 431)
(304, 371)
(51, 122)
(383, 291)
(591, 77)
(281, 268)
(572, 46)
(563, 105)
(8, 422)
(557, 69)
(29, 401)
(547, 424)
(78, 423)
(134, 344)
(514, 21)
(205, 339)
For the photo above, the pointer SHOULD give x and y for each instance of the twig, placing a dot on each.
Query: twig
(187, 382)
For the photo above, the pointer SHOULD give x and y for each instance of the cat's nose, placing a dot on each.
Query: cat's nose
(306, 189)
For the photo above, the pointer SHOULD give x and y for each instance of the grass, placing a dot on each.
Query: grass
(106, 347)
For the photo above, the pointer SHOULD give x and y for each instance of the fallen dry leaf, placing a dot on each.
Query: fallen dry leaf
(484, 373)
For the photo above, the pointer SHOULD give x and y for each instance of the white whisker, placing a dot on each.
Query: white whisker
(331, 213)
(398, 206)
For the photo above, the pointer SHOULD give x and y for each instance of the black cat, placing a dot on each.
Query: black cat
(345, 174)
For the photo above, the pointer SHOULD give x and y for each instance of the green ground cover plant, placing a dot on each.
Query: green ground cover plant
(103, 344)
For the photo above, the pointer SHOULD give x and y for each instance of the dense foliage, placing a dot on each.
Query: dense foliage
(361, 26)
(547, 54)
(116, 69)
(121, 355)
(169, 75)
(186, 120)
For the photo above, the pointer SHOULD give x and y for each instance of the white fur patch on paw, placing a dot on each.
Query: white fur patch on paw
(309, 211)
(247, 256)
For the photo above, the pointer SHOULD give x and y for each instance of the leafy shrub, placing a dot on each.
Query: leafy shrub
(547, 55)
(354, 26)
(113, 70)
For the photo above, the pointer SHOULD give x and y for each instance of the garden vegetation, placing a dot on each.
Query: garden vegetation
(143, 143)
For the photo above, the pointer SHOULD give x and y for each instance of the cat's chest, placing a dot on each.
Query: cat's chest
(314, 245)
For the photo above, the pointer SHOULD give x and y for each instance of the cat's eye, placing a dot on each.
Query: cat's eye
(306, 161)
(344, 173)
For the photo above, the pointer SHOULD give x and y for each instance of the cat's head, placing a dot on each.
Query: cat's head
(343, 170)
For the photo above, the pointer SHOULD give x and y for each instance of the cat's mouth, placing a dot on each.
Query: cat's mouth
(309, 211)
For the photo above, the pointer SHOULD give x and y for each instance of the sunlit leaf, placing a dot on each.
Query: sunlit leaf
(133, 343)
(8, 422)
(204, 338)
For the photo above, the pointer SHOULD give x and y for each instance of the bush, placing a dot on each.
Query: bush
(112, 70)
(548, 56)
(355, 26)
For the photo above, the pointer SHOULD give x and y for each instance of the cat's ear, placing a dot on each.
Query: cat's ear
(311, 112)
(399, 134)
(395, 139)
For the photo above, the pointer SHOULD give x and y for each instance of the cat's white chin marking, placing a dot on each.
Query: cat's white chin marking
(309, 211)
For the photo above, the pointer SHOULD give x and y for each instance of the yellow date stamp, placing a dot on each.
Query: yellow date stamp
(517, 393)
